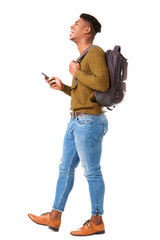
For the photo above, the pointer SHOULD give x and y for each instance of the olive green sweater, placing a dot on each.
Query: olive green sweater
(93, 75)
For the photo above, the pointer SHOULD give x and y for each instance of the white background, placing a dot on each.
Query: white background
(34, 38)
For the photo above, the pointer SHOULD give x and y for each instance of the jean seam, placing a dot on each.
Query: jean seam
(97, 204)
(67, 179)
(91, 131)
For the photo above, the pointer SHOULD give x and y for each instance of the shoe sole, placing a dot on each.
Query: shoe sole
(54, 229)
(102, 232)
(96, 233)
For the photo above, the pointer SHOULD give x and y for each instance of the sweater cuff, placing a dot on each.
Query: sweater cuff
(66, 89)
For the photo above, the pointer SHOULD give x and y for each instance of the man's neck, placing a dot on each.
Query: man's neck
(83, 46)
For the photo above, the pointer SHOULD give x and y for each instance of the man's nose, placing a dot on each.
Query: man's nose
(72, 26)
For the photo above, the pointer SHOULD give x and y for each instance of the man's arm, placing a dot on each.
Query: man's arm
(56, 84)
(99, 79)
(66, 89)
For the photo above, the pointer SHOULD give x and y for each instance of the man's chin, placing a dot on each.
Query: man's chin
(71, 38)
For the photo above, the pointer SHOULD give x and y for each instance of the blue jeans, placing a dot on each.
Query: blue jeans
(82, 142)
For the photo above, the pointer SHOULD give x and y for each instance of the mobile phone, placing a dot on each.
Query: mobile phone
(45, 75)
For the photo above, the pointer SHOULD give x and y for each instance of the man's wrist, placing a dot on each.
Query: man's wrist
(62, 86)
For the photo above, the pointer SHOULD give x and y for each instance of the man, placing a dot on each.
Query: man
(85, 131)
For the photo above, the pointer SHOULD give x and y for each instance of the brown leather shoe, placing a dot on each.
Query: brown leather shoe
(46, 220)
(89, 228)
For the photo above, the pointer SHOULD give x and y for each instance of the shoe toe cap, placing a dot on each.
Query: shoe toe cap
(31, 216)
(75, 233)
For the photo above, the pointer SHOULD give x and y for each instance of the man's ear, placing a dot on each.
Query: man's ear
(87, 30)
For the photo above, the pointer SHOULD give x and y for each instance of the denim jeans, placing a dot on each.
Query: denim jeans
(82, 143)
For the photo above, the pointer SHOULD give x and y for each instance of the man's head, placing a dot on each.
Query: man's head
(93, 22)
(86, 26)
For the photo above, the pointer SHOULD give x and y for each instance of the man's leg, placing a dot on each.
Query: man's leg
(69, 162)
(88, 137)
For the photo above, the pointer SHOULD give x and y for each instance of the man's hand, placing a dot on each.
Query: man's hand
(73, 67)
(55, 83)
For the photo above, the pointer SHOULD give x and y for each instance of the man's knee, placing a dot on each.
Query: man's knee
(92, 174)
(65, 170)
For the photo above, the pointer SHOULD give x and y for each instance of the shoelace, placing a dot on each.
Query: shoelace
(87, 224)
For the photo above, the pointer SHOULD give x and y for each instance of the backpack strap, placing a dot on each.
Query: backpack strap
(117, 48)
(78, 59)
(84, 53)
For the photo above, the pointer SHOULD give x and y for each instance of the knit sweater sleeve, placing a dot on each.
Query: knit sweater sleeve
(99, 78)
(66, 89)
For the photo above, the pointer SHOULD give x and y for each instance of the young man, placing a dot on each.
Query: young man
(85, 131)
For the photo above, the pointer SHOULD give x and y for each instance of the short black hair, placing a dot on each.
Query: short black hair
(93, 21)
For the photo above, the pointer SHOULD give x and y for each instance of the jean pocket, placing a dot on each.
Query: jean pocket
(85, 119)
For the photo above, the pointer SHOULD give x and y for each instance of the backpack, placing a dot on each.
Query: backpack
(117, 66)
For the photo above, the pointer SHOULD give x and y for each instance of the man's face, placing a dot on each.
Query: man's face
(78, 30)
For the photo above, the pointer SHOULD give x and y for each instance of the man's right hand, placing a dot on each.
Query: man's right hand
(55, 83)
